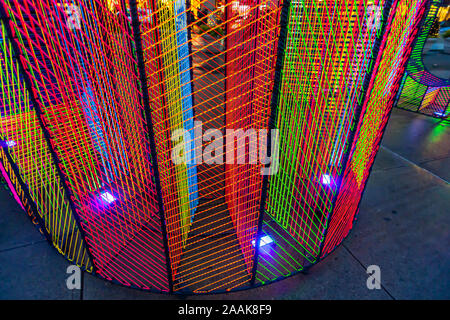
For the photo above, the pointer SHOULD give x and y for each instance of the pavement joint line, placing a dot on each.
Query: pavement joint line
(437, 159)
(365, 268)
(22, 246)
(414, 164)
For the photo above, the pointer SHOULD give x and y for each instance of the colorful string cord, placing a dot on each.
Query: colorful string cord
(98, 96)
(421, 91)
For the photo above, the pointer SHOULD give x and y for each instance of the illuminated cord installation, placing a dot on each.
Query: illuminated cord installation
(95, 90)
(420, 90)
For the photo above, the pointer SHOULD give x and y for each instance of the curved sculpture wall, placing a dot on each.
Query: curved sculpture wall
(99, 98)
(420, 90)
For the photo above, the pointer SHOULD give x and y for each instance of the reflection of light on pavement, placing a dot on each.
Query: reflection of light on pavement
(437, 133)
(417, 127)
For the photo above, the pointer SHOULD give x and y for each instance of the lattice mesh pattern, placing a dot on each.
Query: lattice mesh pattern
(27, 148)
(104, 98)
(421, 91)
(85, 92)
(375, 114)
